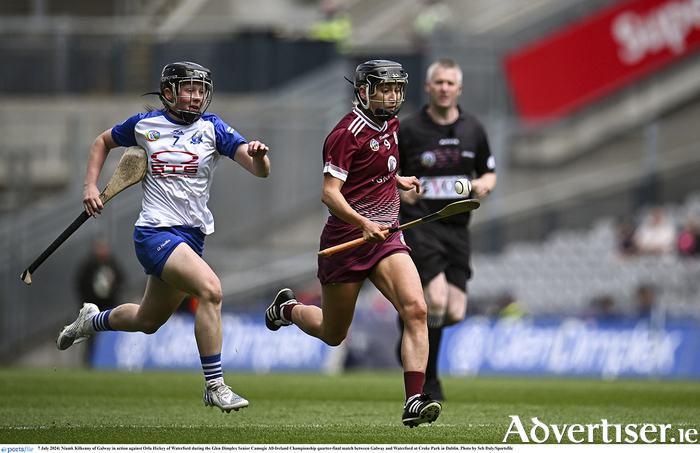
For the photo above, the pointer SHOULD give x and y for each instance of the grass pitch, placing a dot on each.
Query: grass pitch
(60, 406)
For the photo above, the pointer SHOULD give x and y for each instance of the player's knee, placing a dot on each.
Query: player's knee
(149, 326)
(335, 341)
(210, 292)
(416, 310)
(334, 338)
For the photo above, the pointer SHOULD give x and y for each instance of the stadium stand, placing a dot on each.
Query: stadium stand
(562, 275)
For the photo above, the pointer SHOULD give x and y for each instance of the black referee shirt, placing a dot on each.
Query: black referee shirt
(439, 155)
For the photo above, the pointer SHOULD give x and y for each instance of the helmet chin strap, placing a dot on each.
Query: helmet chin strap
(186, 116)
(380, 114)
(383, 114)
(181, 116)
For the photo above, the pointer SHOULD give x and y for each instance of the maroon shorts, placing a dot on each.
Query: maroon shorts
(356, 263)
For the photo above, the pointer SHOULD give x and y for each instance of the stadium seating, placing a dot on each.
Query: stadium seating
(565, 273)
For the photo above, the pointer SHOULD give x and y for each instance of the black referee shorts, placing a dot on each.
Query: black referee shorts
(438, 247)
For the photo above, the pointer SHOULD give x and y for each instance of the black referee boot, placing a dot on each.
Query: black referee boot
(432, 384)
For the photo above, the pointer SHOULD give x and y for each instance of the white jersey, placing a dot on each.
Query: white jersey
(181, 162)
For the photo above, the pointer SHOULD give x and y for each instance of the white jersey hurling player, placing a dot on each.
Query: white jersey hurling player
(181, 162)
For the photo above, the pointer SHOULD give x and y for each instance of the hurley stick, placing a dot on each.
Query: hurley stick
(130, 170)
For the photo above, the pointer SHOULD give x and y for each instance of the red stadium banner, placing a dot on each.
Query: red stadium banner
(599, 54)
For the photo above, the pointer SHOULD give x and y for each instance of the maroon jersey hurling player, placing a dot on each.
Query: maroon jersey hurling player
(360, 188)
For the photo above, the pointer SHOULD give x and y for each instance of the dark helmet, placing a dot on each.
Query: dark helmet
(173, 75)
(374, 72)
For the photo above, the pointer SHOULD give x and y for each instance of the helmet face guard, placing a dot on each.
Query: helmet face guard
(373, 75)
(174, 76)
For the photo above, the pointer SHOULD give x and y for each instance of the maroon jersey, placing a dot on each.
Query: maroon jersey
(365, 156)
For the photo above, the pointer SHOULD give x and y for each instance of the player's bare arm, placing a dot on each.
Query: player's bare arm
(98, 155)
(339, 206)
(482, 186)
(409, 193)
(253, 157)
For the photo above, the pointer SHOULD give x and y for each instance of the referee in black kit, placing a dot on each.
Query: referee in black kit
(439, 145)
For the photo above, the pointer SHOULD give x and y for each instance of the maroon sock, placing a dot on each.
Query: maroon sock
(413, 383)
(287, 311)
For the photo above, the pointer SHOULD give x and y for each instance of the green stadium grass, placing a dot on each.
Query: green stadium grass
(62, 406)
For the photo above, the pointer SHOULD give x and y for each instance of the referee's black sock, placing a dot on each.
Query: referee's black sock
(400, 342)
(434, 337)
(432, 384)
